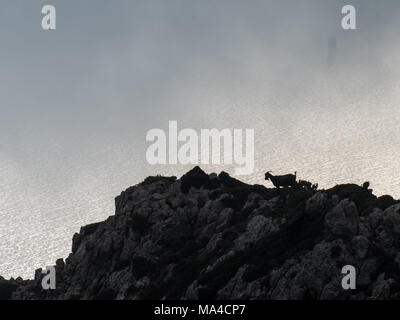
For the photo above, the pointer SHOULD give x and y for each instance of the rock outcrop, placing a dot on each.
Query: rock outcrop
(214, 237)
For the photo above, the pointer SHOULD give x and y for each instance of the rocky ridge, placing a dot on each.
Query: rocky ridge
(214, 237)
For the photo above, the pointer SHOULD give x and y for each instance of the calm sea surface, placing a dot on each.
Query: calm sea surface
(76, 103)
(51, 184)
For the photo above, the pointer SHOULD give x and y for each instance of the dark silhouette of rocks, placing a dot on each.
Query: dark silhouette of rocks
(215, 237)
(7, 287)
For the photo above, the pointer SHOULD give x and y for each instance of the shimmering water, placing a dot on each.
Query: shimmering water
(76, 103)
(49, 195)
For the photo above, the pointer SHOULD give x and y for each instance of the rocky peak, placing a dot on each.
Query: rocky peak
(213, 236)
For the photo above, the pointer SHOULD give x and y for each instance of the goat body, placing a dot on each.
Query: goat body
(287, 180)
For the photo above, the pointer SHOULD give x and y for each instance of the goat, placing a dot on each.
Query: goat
(303, 184)
(314, 186)
(365, 186)
(307, 185)
(287, 180)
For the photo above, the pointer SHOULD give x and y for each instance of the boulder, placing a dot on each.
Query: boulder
(317, 203)
(391, 220)
(342, 220)
(194, 178)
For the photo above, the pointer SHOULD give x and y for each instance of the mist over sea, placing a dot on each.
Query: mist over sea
(76, 103)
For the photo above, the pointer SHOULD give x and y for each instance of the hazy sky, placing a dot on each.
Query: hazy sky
(76, 103)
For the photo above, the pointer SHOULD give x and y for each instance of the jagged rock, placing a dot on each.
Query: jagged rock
(385, 201)
(382, 288)
(343, 220)
(194, 178)
(192, 292)
(375, 218)
(252, 201)
(360, 245)
(237, 288)
(364, 228)
(310, 276)
(7, 287)
(334, 200)
(257, 227)
(316, 203)
(367, 270)
(332, 290)
(391, 220)
(215, 237)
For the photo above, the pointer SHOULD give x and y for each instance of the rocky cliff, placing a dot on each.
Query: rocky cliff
(214, 237)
